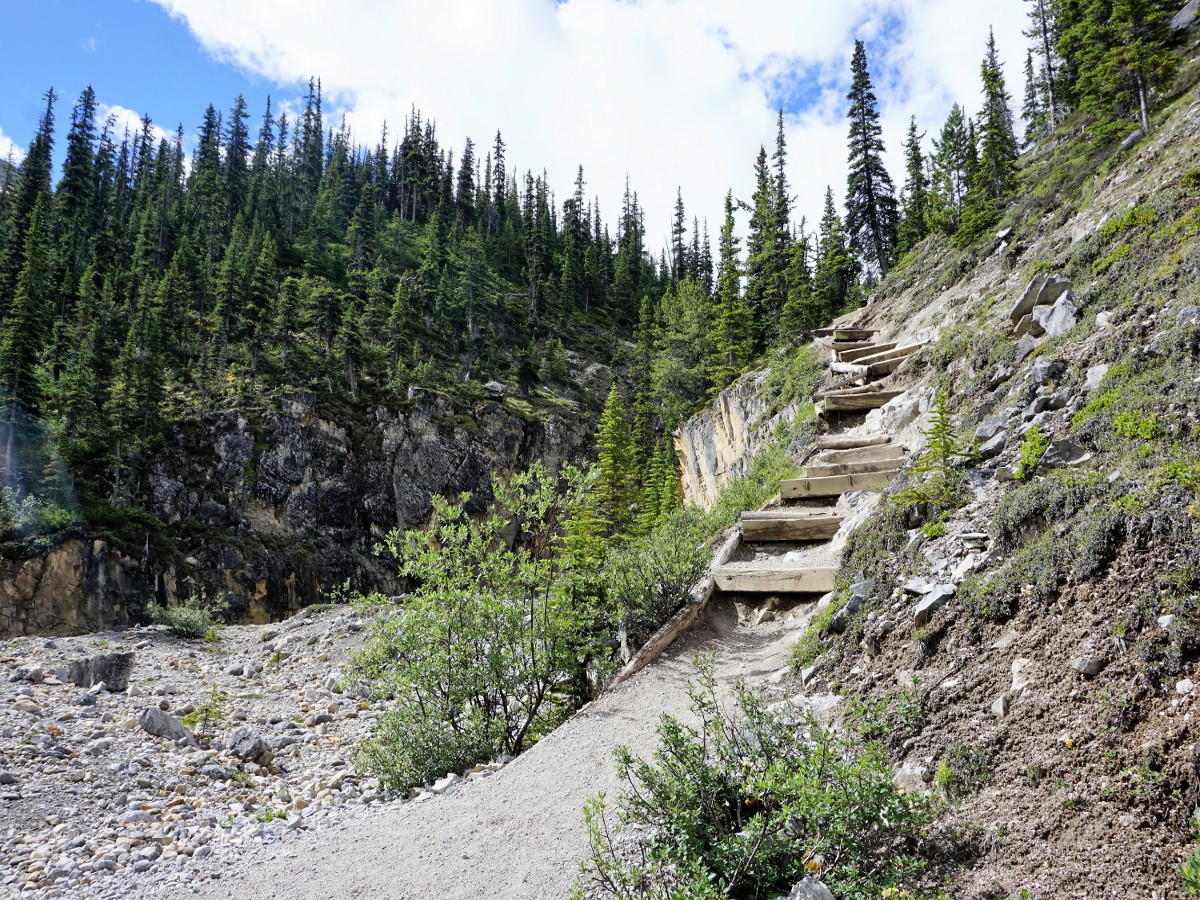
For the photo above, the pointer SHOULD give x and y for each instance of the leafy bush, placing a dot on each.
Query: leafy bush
(651, 577)
(1033, 448)
(193, 619)
(475, 657)
(770, 465)
(963, 770)
(746, 802)
(1030, 507)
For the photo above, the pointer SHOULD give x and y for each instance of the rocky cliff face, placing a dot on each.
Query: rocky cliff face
(271, 510)
(715, 446)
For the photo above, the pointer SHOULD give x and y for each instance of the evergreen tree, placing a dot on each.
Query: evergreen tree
(1044, 33)
(1035, 116)
(952, 167)
(613, 488)
(915, 205)
(995, 175)
(837, 267)
(871, 209)
(732, 339)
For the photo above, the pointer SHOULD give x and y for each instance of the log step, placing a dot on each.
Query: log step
(856, 468)
(855, 352)
(776, 579)
(835, 485)
(859, 402)
(854, 334)
(860, 455)
(851, 441)
(789, 525)
(893, 353)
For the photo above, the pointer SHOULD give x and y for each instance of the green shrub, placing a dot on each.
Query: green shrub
(1033, 448)
(747, 802)
(963, 770)
(193, 619)
(1030, 507)
(474, 655)
(889, 720)
(207, 715)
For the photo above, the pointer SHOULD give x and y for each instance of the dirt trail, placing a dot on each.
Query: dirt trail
(519, 833)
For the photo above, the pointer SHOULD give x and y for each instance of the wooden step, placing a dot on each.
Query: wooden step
(835, 329)
(835, 485)
(859, 402)
(858, 351)
(894, 352)
(789, 525)
(843, 346)
(854, 334)
(776, 579)
(855, 468)
(860, 455)
(851, 441)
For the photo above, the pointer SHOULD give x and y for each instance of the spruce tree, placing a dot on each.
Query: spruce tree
(732, 338)
(914, 208)
(871, 209)
(1043, 32)
(837, 267)
(1033, 113)
(614, 485)
(995, 174)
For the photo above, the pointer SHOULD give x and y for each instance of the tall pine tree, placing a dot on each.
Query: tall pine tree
(871, 209)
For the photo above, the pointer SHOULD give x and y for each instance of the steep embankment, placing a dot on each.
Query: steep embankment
(1054, 690)
(271, 509)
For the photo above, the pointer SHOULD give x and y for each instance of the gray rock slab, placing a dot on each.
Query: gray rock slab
(932, 602)
(1186, 16)
(1055, 320)
(994, 446)
(1028, 299)
(164, 725)
(810, 889)
(1063, 454)
(113, 669)
(1087, 666)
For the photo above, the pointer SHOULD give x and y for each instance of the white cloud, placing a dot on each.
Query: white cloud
(125, 119)
(674, 92)
(9, 149)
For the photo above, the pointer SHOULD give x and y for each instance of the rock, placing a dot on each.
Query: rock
(215, 773)
(1055, 288)
(974, 540)
(24, 704)
(1055, 320)
(1189, 315)
(495, 390)
(1000, 706)
(1064, 453)
(1025, 346)
(247, 745)
(990, 427)
(1184, 686)
(1006, 640)
(1045, 371)
(164, 725)
(1094, 376)
(1003, 235)
(1131, 140)
(1186, 16)
(444, 784)
(113, 669)
(932, 602)
(808, 674)
(918, 586)
(1166, 621)
(911, 778)
(1025, 326)
(7, 777)
(810, 888)
(1020, 680)
(1087, 665)
(415, 392)
(1027, 300)
(993, 447)
(999, 375)
(764, 616)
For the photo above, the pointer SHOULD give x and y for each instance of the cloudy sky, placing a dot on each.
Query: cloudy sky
(672, 92)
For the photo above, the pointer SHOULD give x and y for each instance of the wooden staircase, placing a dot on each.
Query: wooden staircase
(864, 361)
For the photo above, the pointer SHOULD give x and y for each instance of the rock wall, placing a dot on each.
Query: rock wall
(270, 511)
(716, 445)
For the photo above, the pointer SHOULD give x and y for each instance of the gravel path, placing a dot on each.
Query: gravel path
(519, 833)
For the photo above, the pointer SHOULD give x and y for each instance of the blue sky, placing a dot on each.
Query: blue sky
(672, 92)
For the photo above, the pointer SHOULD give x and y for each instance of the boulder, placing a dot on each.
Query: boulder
(1088, 666)
(993, 447)
(247, 745)
(810, 888)
(1054, 288)
(113, 669)
(999, 375)
(1025, 346)
(990, 427)
(1046, 370)
(1189, 315)
(164, 725)
(1094, 376)
(1064, 453)
(932, 602)
(1000, 706)
(1052, 321)
(912, 778)
(495, 390)
(1186, 16)
(1027, 300)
